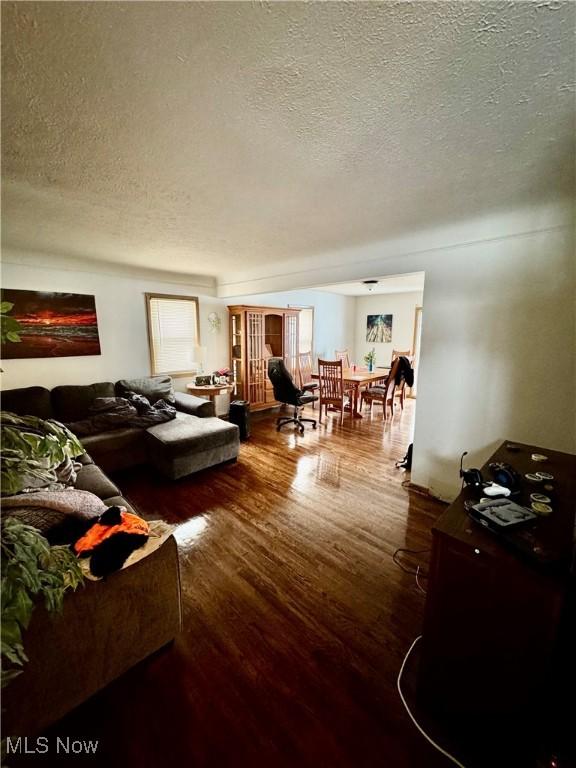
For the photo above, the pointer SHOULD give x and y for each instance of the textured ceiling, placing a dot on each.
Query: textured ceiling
(209, 137)
(397, 284)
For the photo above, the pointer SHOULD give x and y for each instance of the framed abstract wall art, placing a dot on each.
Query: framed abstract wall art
(47, 324)
(379, 328)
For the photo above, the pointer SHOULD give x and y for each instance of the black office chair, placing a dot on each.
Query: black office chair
(286, 392)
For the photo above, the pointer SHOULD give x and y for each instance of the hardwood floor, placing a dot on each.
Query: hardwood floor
(296, 619)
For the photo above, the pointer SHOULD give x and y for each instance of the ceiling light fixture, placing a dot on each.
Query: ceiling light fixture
(370, 284)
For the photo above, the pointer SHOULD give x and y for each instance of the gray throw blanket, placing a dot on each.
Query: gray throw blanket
(116, 412)
(46, 510)
(70, 501)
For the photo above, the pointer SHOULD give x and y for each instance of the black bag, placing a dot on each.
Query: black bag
(406, 462)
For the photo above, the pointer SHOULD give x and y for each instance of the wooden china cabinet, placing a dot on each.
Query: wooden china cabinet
(256, 334)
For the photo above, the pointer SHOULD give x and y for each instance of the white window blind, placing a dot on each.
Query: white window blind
(173, 323)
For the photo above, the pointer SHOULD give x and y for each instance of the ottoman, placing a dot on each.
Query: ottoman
(187, 444)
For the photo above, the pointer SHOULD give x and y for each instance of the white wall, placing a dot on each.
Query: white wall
(497, 354)
(402, 307)
(334, 316)
(121, 311)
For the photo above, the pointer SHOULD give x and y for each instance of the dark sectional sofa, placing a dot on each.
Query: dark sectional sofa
(195, 440)
(108, 626)
(104, 629)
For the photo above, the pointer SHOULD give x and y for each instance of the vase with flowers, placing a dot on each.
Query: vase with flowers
(370, 359)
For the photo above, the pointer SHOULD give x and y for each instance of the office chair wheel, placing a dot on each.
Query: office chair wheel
(314, 425)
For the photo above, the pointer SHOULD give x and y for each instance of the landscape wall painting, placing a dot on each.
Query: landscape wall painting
(41, 324)
(379, 328)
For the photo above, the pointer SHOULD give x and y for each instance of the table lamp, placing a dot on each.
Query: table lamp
(200, 358)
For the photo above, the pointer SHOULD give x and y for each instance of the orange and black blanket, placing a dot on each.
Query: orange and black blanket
(111, 540)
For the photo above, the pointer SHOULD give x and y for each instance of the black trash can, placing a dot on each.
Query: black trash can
(240, 415)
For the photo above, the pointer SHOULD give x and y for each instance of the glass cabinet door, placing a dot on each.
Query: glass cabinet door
(257, 358)
(236, 355)
(291, 344)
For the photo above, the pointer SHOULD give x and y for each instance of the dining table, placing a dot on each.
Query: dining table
(354, 378)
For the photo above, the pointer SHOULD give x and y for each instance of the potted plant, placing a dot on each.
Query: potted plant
(370, 359)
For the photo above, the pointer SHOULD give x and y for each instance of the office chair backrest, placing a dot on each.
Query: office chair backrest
(284, 389)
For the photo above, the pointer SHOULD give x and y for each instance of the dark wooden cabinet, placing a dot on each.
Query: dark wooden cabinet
(491, 645)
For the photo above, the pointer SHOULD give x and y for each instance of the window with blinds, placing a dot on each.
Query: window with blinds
(173, 333)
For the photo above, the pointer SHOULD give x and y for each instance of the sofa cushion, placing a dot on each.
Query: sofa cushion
(28, 401)
(187, 434)
(152, 387)
(196, 406)
(124, 438)
(91, 478)
(72, 403)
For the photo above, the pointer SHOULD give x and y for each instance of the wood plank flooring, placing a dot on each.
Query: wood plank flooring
(296, 619)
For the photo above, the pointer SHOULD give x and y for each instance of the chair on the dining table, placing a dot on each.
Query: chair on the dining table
(332, 392)
(344, 355)
(307, 383)
(383, 393)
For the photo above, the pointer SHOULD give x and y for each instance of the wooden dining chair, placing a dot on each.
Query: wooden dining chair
(383, 393)
(344, 355)
(332, 392)
(307, 383)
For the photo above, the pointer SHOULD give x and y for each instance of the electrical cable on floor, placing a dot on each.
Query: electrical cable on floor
(410, 552)
(420, 587)
(407, 708)
(417, 572)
